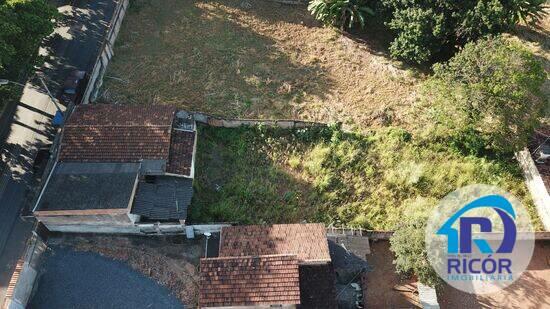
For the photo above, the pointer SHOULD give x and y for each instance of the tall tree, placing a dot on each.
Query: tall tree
(429, 30)
(23, 25)
(488, 97)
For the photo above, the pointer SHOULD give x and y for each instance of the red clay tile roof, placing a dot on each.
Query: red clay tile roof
(246, 281)
(181, 152)
(121, 115)
(115, 133)
(307, 241)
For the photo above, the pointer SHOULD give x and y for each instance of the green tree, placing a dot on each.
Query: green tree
(341, 13)
(488, 97)
(23, 25)
(428, 30)
(408, 244)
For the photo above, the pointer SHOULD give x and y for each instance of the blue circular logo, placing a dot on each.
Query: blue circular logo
(479, 239)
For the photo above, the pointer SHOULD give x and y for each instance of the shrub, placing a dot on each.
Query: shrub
(340, 13)
(408, 244)
(23, 25)
(488, 97)
(433, 29)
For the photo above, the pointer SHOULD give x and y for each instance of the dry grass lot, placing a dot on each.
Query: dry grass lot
(254, 59)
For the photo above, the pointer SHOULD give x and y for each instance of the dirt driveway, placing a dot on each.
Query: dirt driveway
(531, 291)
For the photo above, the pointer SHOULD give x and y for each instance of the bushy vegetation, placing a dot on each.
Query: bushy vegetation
(267, 175)
(341, 13)
(23, 25)
(487, 99)
(431, 30)
(408, 244)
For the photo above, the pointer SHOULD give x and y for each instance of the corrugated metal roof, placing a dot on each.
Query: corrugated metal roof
(167, 198)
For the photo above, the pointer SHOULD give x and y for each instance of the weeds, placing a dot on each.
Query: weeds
(268, 175)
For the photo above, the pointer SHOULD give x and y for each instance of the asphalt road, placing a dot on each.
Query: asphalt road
(71, 279)
(74, 45)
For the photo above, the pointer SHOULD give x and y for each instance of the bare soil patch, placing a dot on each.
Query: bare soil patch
(528, 292)
(385, 288)
(253, 59)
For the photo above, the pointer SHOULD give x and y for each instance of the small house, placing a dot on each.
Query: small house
(118, 166)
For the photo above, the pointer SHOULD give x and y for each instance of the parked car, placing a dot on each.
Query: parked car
(73, 87)
(41, 158)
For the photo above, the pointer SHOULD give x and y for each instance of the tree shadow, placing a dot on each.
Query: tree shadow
(375, 37)
(213, 58)
(76, 41)
(235, 181)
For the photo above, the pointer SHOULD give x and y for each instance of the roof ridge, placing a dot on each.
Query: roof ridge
(117, 125)
(248, 257)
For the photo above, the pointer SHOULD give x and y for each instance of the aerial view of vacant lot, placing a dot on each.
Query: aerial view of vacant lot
(254, 60)
(257, 175)
(248, 59)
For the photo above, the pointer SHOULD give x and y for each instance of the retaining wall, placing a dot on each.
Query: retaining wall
(216, 121)
(136, 229)
(106, 53)
(23, 279)
(536, 186)
(427, 297)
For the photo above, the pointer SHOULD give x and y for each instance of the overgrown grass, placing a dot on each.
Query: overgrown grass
(267, 175)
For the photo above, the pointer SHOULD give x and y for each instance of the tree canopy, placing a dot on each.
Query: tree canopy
(428, 30)
(23, 25)
(488, 97)
(408, 244)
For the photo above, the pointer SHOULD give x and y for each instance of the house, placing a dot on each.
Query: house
(284, 265)
(117, 166)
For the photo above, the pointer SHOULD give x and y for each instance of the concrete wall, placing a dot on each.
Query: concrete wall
(24, 278)
(216, 121)
(51, 222)
(106, 53)
(536, 186)
(427, 297)
(135, 229)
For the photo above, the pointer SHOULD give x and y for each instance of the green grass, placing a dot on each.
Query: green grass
(266, 175)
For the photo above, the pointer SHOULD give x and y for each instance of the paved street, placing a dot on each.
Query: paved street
(102, 282)
(74, 45)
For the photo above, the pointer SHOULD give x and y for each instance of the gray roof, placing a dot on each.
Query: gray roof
(167, 198)
(80, 186)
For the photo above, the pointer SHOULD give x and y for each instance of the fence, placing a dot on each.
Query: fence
(106, 53)
(536, 186)
(347, 231)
